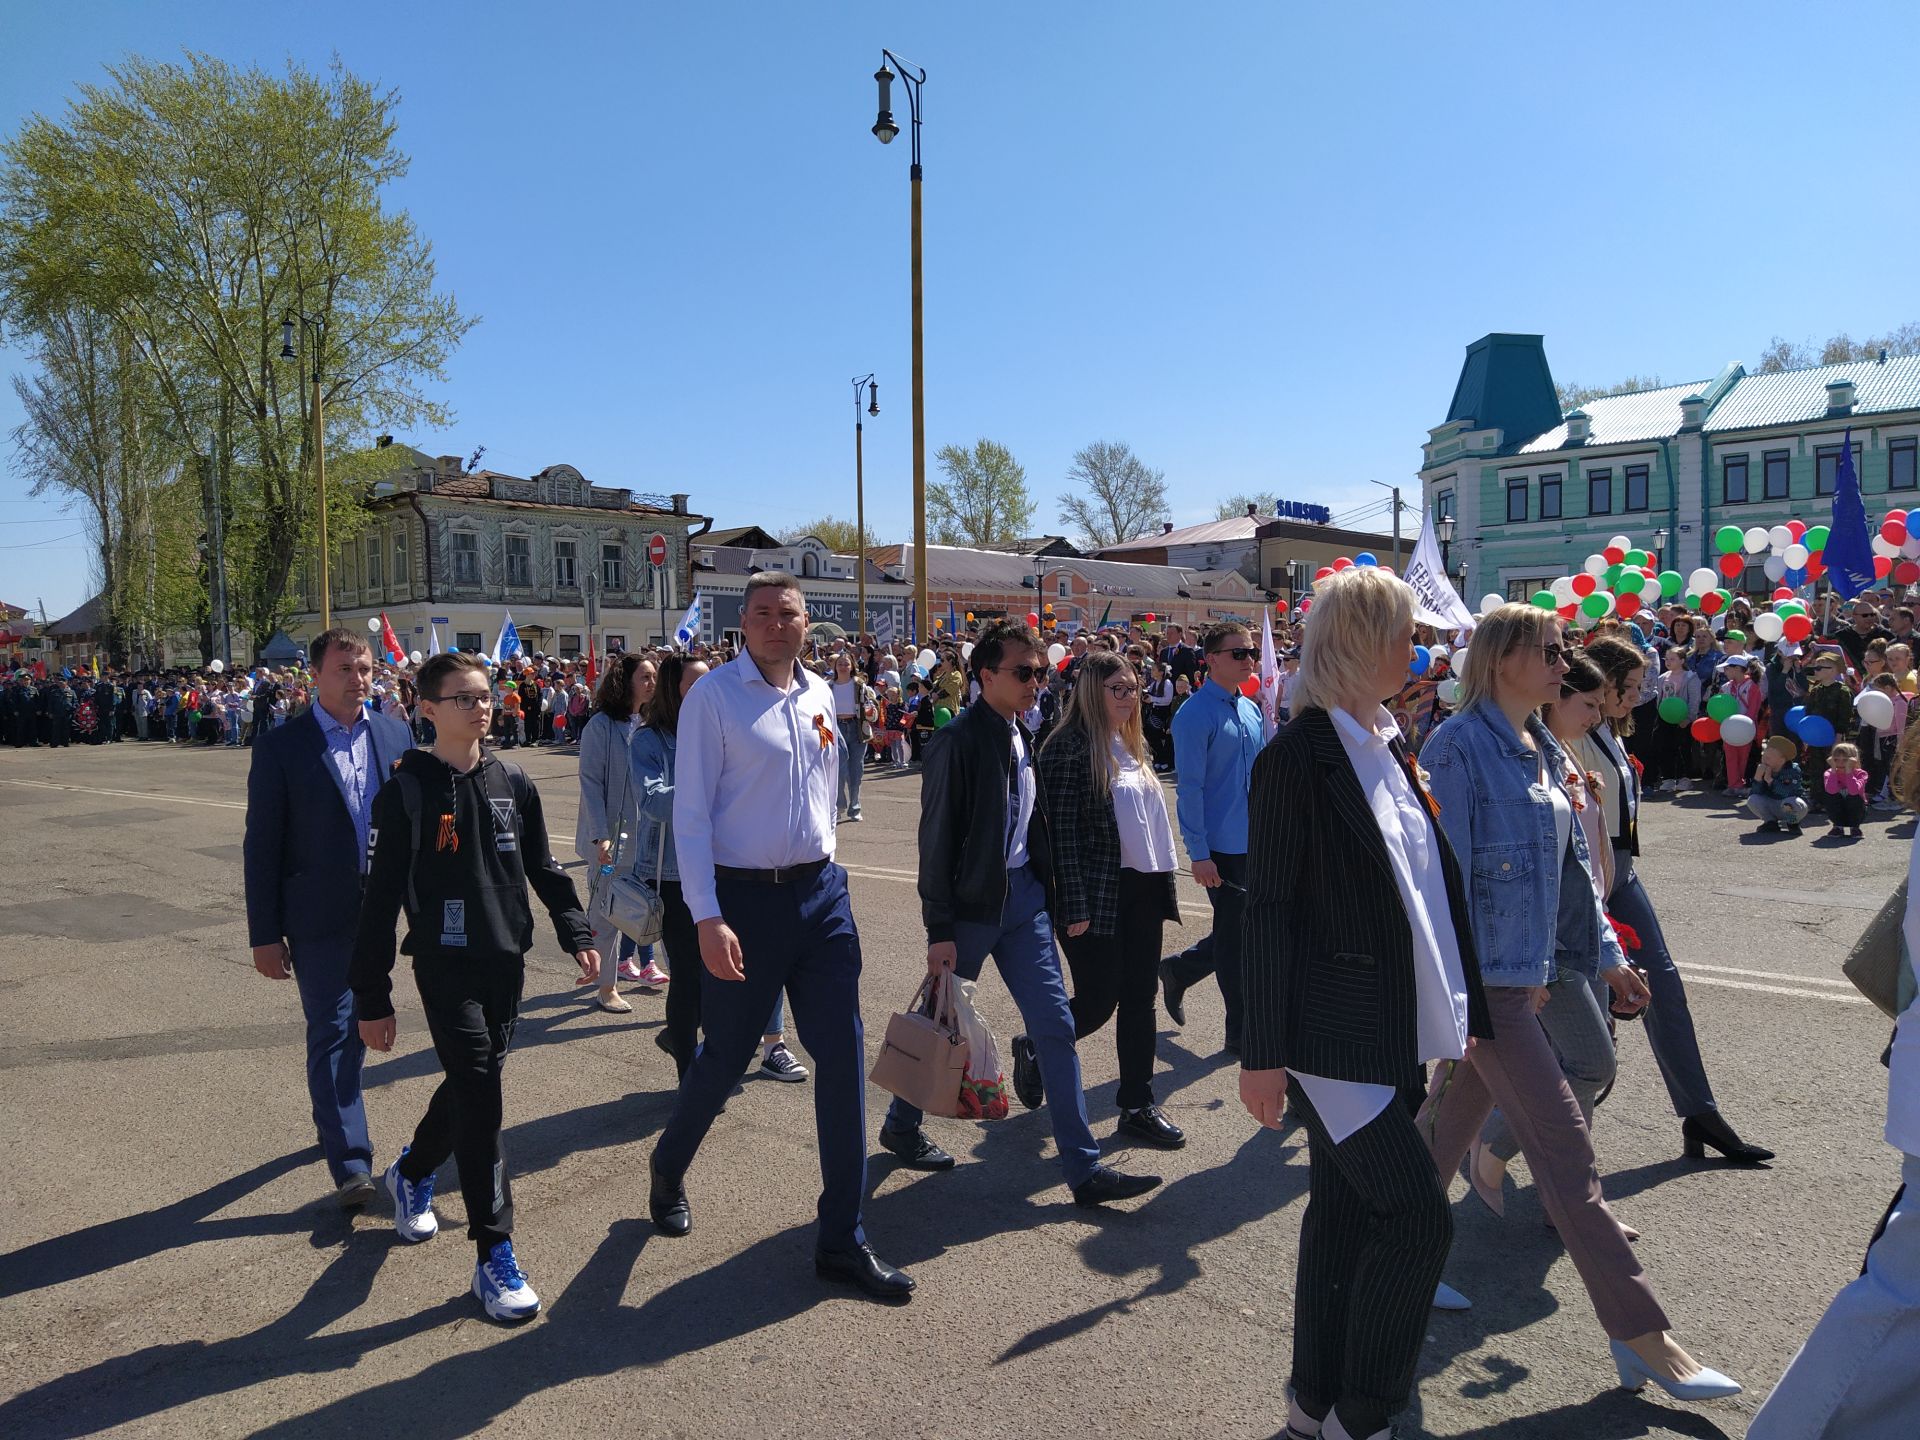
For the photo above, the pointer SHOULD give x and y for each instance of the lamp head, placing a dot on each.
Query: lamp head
(873, 397)
(1443, 527)
(287, 351)
(883, 128)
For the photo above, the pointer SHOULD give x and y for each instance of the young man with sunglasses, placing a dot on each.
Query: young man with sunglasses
(985, 872)
(1217, 735)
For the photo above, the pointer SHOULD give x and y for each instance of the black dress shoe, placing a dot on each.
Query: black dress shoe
(1148, 1124)
(1105, 1184)
(1708, 1128)
(914, 1149)
(861, 1267)
(1173, 994)
(1027, 1083)
(667, 1204)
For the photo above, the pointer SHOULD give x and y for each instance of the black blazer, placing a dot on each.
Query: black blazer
(1086, 841)
(1328, 954)
(966, 767)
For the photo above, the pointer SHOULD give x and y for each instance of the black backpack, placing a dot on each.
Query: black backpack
(516, 779)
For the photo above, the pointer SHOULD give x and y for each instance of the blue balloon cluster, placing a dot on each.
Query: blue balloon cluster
(1366, 557)
(1811, 729)
(1422, 659)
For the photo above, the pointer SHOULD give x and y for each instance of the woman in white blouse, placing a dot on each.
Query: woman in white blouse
(1113, 863)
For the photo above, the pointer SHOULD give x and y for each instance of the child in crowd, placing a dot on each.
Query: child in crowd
(1829, 698)
(1879, 760)
(1900, 666)
(1846, 787)
(1778, 795)
(1743, 682)
(1673, 748)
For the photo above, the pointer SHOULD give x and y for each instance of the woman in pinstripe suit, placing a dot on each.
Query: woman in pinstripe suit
(1359, 967)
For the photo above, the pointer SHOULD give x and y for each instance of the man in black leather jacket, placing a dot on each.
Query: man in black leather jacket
(985, 869)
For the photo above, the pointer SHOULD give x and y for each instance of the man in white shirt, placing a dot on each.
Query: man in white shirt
(758, 759)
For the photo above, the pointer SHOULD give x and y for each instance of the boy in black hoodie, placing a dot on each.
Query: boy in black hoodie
(464, 839)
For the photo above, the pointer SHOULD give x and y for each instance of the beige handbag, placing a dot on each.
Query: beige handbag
(924, 1059)
(1877, 964)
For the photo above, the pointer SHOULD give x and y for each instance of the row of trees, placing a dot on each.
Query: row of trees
(151, 243)
(1779, 354)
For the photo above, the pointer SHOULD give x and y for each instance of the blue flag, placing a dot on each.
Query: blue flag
(952, 628)
(508, 645)
(689, 628)
(1849, 552)
(913, 622)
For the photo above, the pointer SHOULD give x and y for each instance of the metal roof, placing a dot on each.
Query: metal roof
(1794, 397)
(1212, 532)
(1505, 385)
(1619, 419)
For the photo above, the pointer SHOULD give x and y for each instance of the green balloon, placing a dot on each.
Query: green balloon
(1723, 707)
(1816, 539)
(1610, 577)
(1637, 559)
(1544, 599)
(1632, 582)
(1728, 539)
(1673, 710)
(1671, 581)
(1595, 605)
(1693, 601)
(1726, 598)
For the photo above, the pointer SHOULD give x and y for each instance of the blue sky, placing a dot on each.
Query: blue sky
(1251, 240)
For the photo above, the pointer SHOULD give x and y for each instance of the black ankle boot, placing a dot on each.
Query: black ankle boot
(1709, 1128)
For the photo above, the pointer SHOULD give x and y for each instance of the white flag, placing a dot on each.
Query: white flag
(433, 639)
(689, 628)
(1435, 601)
(1269, 674)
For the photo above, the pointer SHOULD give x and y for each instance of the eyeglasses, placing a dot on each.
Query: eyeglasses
(1239, 652)
(1025, 674)
(464, 699)
(1123, 692)
(1556, 654)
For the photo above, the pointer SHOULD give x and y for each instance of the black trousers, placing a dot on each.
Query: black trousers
(1218, 953)
(1372, 1245)
(680, 937)
(471, 1007)
(1850, 810)
(1122, 971)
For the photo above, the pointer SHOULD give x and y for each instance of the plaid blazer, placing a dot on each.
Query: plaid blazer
(1086, 840)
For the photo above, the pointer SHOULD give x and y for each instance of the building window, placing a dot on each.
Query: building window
(1773, 475)
(1733, 480)
(1599, 492)
(1826, 467)
(520, 561)
(1522, 590)
(401, 574)
(373, 562)
(466, 559)
(1443, 505)
(1902, 472)
(613, 568)
(1066, 588)
(569, 646)
(1516, 500)
(564, 574)
(1549, 497)
(809, 564)
(615, 644)
(467, 640)
(1636, 478)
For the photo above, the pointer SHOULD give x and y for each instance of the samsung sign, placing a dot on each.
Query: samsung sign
(1300, 510)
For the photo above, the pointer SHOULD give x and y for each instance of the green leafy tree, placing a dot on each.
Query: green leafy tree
(842, 537)
(1264, 502)
(1116, 496)
(983, 500)
(194, 205)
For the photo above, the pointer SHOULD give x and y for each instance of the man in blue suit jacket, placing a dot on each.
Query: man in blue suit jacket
(309, 798)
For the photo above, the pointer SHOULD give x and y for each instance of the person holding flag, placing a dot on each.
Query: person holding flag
(688, 630)
(1849, 550)
(508, 645)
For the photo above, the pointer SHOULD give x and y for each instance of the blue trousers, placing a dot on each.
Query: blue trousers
(1022, 946)
(799, 938)
(334, 1053)
(1669, 1021)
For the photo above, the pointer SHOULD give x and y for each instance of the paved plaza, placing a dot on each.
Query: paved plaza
(168, 1265)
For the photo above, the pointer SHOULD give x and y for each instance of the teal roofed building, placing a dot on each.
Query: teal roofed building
(1531, 492)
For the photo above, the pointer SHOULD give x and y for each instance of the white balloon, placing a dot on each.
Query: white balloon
(1755, 540)
(1737, 730)
(926, 658)
(1491, 603)
(1796, 557)
(1769, 626)
(1884, 547)
(1702, 580)
(1779, 537)
(966, 651)
(1056, 652)
(1875, 708)
(1448, 690)
(1619, 542)
(1912, 548)
(1563, 590)
(216, 666)
(373, 625)
(1594, 564)
(1776, 567)
(415, 657)
(1438, 652)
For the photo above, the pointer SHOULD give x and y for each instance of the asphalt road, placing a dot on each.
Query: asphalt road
(168, 1265)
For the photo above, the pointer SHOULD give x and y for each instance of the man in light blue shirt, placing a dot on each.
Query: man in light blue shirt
(1217, 735)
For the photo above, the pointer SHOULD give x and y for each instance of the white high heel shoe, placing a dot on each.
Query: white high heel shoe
(1635, 1373)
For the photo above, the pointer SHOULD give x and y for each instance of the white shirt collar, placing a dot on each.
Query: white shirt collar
(1384, 730)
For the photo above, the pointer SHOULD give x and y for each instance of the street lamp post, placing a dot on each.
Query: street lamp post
(1443, 532)
(1460, 576)
(288, 352)
(884, 130)
(860, 498)
(1660, 538)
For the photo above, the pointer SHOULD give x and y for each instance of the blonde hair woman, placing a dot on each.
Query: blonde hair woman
(1113, 862)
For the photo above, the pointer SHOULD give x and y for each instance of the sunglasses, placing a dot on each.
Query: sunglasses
(1556, 654)
(1025, 674)
(465, 700)
(1239, 652)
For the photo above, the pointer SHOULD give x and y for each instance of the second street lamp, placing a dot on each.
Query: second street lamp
(868, 384)
(884, 130)
(318, 331)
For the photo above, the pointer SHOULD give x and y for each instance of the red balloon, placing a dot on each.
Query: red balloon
(1900, 515)
(1816, 565)
(1567, 612)
(1797, 528)
(1250, 687)
(1893, 531)
(1906, 572)
(1783, 593)
(1613, 554)
(1343, 563)
(1323, 572)
(1032, 619)
(1882, 567)
(1706, 729)
(1732, 565)
(1711, 602)
(1279, 607)
(1149, 617)
(1627, 606)
(1306, 605)
(1797, 628)
(1584, 584)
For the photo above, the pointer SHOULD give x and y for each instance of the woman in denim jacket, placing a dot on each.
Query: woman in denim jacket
(1500, 780)
(651, 757)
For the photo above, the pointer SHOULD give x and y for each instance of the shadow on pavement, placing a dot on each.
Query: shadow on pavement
(543, 1020)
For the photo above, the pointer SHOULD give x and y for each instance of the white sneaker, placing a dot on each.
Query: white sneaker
(500, 1286)
(413, 1217)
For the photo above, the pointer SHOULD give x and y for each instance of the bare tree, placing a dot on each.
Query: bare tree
(1782, 354)
(1573, 396)
(1118, 496)
(983, 500)
(1263, 502)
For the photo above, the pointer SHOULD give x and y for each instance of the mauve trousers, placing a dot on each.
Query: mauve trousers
(1519, 1071)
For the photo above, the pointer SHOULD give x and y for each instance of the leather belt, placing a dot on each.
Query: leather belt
(786, 875)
